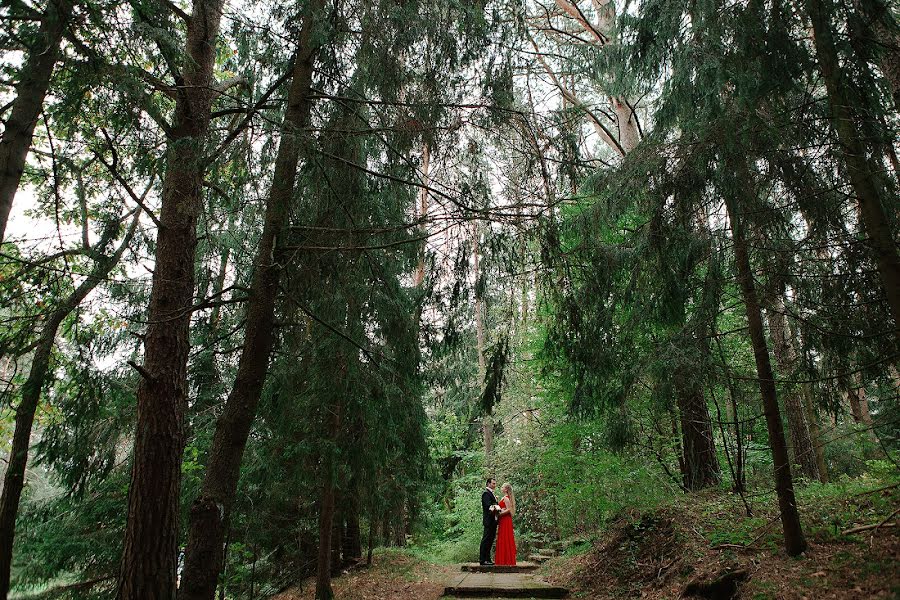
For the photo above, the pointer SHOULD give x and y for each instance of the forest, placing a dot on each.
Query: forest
(283, 282)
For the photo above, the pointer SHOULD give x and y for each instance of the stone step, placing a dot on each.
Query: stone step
(548, 552)
(539, 558)
(502, 585)
(521, 567)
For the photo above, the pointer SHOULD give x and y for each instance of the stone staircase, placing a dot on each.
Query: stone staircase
(519, 581)
(543, 555)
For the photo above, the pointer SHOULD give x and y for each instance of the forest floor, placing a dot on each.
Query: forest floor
(689, 544)
(707, 538)
(394, 573)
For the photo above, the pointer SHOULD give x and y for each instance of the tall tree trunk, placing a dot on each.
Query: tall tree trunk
(786, 358)
(14, 479)
(853, 149)
(700, 466)
(150, 551)
(337, 537)
(326, 512)
(352, 542)
(211, 509)
(419, 276)
(371, 541)
(815, 431)
(859, 406)
(794, 541)
(34, 80)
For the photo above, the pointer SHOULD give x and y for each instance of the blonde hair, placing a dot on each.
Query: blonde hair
(507, 487)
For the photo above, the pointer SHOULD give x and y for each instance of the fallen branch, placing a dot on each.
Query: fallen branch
(881, 489)
(875, 526)
(750, 545)
(866, 528)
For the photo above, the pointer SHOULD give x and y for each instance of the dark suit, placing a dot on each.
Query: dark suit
(489, 520)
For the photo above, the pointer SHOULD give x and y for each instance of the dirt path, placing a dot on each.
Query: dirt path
(392, 575)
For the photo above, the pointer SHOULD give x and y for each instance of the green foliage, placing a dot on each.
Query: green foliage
(606, 283)
(76, 536)
(452, 535)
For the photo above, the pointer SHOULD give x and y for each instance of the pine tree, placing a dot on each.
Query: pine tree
(151, 535)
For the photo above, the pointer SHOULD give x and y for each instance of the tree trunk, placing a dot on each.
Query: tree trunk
(629, 135)
(859, 406)
(881, 29)
(784, 485)
(14, 479)
(815, 431)
(150, 552)
(786, 358)
(210, 510)
(352, 542)
(853, 150)
(419, 276)
(326, 514)
(371, 541)
(34, 80)
(700, 466)
(337, 537)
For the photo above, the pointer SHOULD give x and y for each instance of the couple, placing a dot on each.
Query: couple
(497, 521)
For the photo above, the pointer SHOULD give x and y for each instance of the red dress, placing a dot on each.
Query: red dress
(506, 541)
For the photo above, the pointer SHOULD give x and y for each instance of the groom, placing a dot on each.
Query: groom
(489, 520)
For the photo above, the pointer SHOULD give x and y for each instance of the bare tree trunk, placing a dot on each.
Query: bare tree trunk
(150, 551)
(794, 541)
(786, 358)
(14, 479)
(210, 510)
(852, 147)
(34, 80)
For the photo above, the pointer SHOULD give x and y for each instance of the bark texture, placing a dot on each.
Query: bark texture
(210, 511)
(786, 359)
(815, 431)
(853, 149)
(34, 80)
(326, 513)
(859, 406)
(794, 541)
(700, 466)
(150, 552)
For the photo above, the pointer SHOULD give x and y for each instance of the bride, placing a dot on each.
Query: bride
(506, 540)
